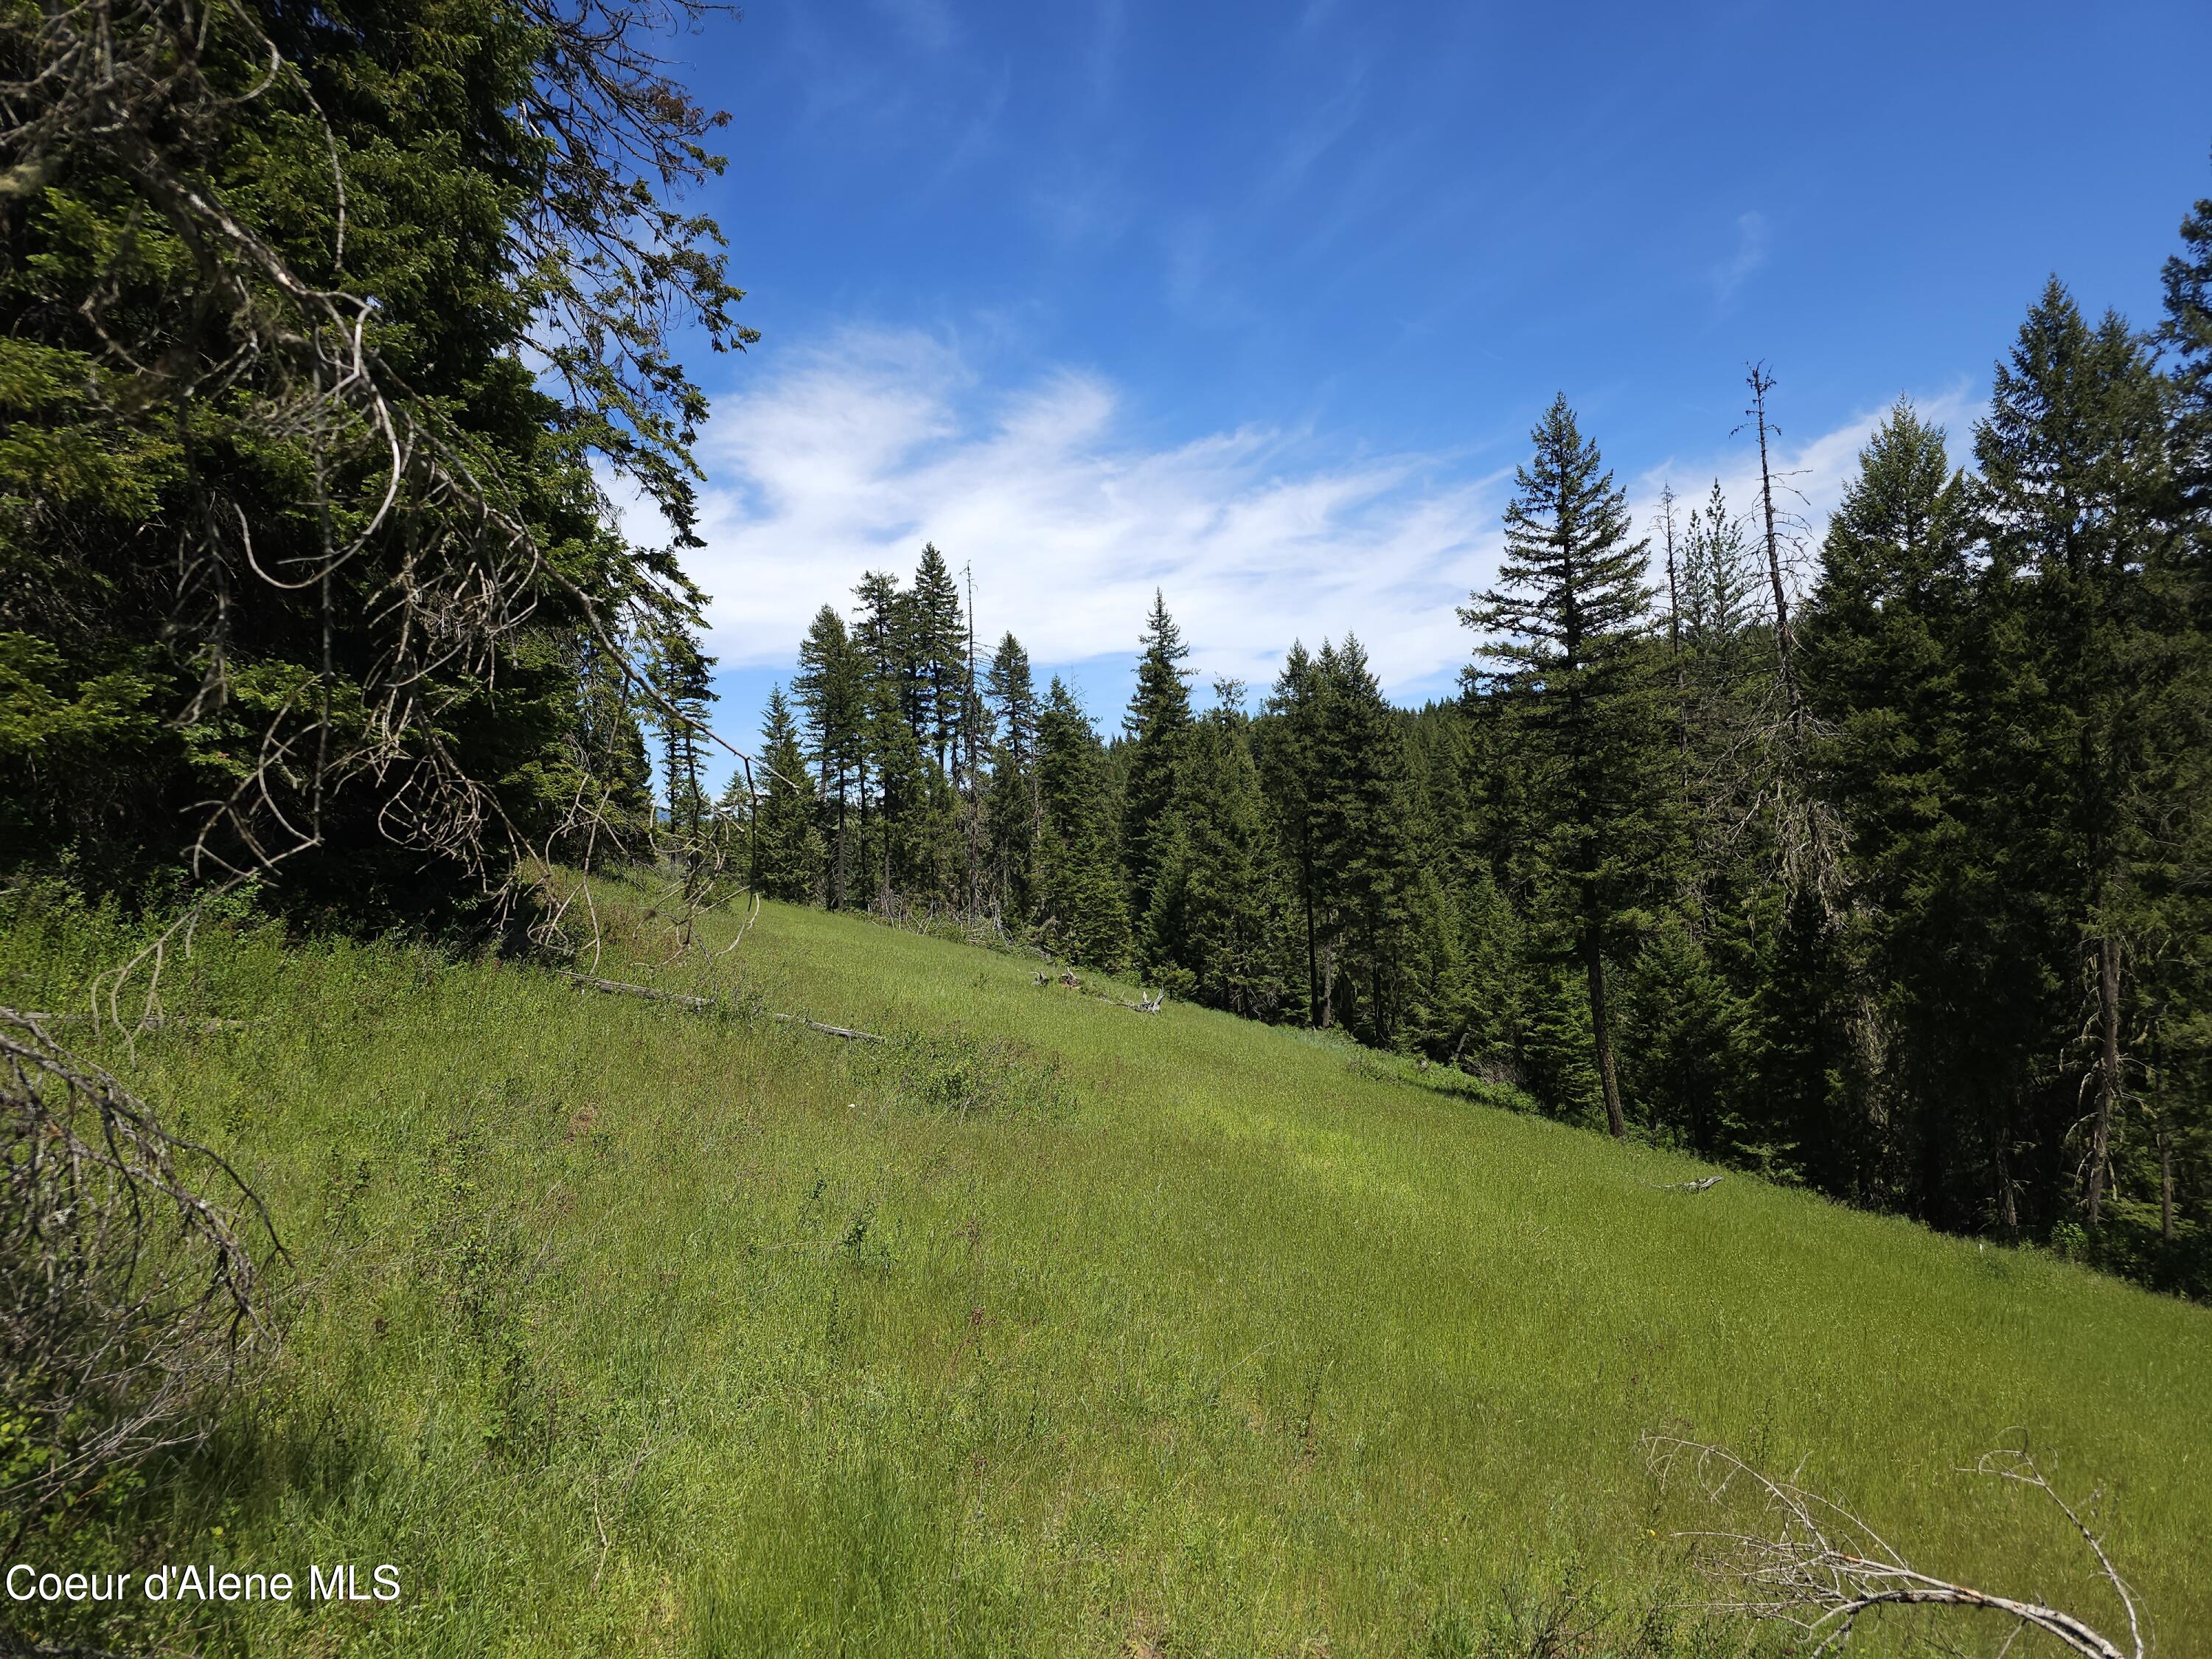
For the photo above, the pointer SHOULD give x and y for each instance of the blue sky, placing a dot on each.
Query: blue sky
(1257, 303)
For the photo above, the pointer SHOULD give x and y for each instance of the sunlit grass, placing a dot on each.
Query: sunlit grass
(624, 1328)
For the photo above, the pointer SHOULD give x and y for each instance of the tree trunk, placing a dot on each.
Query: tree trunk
(1313, 962)
(2166, 1183)
(2108, 1068)
(1761, 383)
(1602, 1034)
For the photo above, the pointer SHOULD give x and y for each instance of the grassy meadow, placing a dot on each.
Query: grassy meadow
(1046, 1327)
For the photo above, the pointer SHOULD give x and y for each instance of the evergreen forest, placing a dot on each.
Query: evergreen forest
(464, 1115)
(1877, 865)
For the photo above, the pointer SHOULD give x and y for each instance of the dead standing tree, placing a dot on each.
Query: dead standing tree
(1809, 838)
(1797, 1558)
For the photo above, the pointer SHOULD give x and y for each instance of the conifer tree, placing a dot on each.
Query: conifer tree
(786, 846)
(1567, 620)
(1016, 812)
(1367, 885)
(938, 658)
(1215, 930)
(831, 691)
(1888, 630)
(679, 667)
(2077, 505)
(613, 769)
(1156, 725)
(1287, 748)
(1083, 909)
(2185, 335)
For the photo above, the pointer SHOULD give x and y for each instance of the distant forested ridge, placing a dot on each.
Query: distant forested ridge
(1891, 882)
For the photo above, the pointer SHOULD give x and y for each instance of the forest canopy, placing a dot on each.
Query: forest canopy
(1889, 879)
(322, 328)
(328, 331)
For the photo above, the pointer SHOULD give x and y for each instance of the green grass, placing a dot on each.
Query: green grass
(621, 1328)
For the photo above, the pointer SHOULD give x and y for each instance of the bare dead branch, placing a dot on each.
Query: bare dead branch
(128, 1294)
(1794, 1558)
(618, 987)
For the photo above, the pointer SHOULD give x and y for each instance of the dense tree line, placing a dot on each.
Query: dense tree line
(1893, 886)
(318, 330)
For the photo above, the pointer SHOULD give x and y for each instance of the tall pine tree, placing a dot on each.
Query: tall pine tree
(1156, 723)
(1567, 621)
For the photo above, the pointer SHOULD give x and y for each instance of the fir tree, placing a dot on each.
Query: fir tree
(1567, 620)
(1084, 912)
(785, 844)
(1364, 856)
(2186, 336)
(1156, 725)
(679, 669)
(1288, 749)
(937, 653)
(1215, 930)
(2076, 503)
(831, 689)
(1015, 809)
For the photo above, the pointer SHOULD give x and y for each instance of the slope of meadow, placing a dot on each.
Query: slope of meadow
(1046, 1327)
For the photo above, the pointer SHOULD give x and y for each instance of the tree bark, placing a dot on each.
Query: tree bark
(2108, 1068)
(2165, 1184)
(1602, 1033)
(1761, 383)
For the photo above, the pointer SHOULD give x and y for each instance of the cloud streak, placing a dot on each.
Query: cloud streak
(1751, 242)
(849, 458)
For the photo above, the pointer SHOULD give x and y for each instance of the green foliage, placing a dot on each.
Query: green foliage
(635, 1329)
(1082, 911)
(270, 544)
(1217, 931)
(786, 846)
(1584, 716)
(1158, 727)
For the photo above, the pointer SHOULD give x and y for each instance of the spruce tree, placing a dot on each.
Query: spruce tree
(1082, 908)
(831, 689)
(2076, 503)
(1566, 621)
(1216, 927)
(786, 846)
(1015, 811)
(1156, 725)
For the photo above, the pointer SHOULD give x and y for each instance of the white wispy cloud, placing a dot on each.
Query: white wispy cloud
(1750, 243)
(849, 458)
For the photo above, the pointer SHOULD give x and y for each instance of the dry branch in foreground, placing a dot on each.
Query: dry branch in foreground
(127, 1293)
(1797, 1558)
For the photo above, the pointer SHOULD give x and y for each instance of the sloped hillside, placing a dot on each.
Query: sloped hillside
(1045, 1326)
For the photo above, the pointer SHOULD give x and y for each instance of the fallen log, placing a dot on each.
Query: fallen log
(682, 999)
(616, 987)
(845, 1031)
